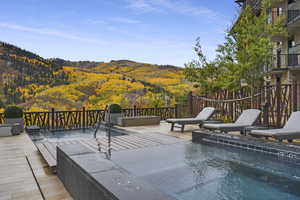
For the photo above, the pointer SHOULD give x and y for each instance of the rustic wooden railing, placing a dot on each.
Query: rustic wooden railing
(81, 119)
(276, 102)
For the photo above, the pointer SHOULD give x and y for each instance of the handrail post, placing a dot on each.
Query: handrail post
(52, 118)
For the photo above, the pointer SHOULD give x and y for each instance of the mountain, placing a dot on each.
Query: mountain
(22, 69)
(40, 84)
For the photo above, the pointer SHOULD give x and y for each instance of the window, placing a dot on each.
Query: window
(279, 11)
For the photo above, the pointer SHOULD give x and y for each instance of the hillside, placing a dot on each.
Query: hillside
(40, 84)
(22, 69)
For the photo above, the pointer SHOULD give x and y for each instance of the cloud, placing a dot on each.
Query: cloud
(142, 5)
(125, 20)
(96, 21)
(179, 6)
(51, 32)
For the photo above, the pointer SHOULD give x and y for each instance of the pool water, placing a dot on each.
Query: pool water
(190, 171)
(73, 134)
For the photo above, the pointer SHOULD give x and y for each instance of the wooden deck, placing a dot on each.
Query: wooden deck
(118, 143)
(23, 172)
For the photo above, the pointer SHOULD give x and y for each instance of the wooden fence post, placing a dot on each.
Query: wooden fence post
(295, 96)
(190, 103)
(83, 118)
(176, 110)
(52, 118)
(231, 96)
(266, 106)
(278, 103)
(134, 110)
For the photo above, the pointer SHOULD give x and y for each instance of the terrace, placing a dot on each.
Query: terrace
(26, 173)
(64, 160)
(143, 143)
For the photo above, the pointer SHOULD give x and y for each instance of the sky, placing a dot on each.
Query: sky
(150, 31)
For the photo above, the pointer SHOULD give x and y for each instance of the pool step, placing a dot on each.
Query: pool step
(47, 155)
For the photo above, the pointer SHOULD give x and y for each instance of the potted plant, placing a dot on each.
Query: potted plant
(114, 111)
(13, 115)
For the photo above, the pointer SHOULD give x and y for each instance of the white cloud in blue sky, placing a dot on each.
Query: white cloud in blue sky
(154, 31)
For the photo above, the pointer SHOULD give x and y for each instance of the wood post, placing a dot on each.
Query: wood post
(278, 103)
(83, 118)
(266, 106)
(177, 111)
(230, 95)
(52, 119)
(190, 103)
(134, 110)
(295, 96)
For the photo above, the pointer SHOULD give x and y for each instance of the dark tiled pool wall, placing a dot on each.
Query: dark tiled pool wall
(89, 176)
(282, 151)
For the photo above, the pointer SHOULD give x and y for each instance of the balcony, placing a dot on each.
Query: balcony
(286, 61)
(293, 17)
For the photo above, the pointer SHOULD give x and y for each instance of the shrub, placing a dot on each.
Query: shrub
(115, 108)
(13, 112)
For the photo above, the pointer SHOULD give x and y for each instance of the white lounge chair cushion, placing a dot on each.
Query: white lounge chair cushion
(290, 130)
(275, 132)
(223, 126)
(248, 117)
(294, 121)
(184, 120)
(204, 115)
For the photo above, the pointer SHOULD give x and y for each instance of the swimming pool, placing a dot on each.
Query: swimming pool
(73, 134)
(190, 171)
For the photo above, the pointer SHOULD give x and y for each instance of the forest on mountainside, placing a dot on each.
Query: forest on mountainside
(39, 84)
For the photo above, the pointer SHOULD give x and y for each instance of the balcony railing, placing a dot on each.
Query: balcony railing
(276, 15)
(292, 14)
(286, 61)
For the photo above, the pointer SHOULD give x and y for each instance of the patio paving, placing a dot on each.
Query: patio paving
(23, 172)
(164, 129)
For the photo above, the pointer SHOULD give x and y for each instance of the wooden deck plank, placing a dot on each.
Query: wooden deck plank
(16, 178)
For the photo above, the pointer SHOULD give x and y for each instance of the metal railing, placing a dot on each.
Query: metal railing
(292, 14)
(286, 61)
(276, 15)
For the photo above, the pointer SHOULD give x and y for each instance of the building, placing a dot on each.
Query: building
(286, 60)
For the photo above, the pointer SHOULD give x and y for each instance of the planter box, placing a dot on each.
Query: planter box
(5, 130)
(113, 118)
(13, 121)
(139, 121)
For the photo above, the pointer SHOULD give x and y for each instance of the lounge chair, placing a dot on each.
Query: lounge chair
(246, 119)
(290, 131)
(204, 115)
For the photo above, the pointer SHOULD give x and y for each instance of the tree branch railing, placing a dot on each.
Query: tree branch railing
(82, 119)
(277, 102)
